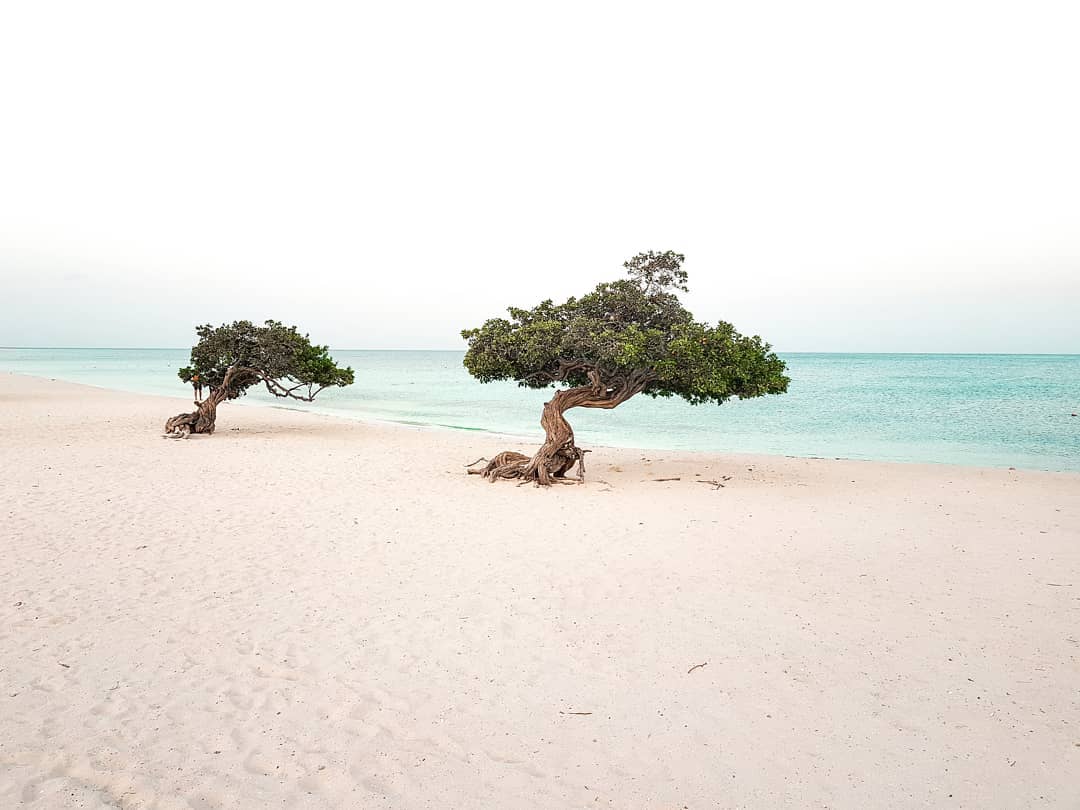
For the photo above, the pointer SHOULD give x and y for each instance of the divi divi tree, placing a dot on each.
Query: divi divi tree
(231, 358)
(626, 337)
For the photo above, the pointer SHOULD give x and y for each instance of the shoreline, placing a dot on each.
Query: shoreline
(537, 438)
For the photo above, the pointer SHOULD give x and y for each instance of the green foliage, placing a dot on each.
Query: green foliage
(274, 354)
(634, 326)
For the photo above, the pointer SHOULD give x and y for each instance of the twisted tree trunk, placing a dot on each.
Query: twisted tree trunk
(559, 454)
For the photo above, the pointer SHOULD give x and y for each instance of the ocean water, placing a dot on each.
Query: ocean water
(984, 410)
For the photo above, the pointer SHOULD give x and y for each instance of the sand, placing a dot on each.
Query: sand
(309, 612)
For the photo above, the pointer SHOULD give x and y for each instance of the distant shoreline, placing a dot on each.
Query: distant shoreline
(462, 351)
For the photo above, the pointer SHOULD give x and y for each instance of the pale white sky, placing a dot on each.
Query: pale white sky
(841, 176)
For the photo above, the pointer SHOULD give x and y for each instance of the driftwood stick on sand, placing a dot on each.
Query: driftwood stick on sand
(717, 484)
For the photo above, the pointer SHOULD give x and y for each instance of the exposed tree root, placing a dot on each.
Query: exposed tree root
(543, 468)
(201, 420)
(539, 468)
(179, 427)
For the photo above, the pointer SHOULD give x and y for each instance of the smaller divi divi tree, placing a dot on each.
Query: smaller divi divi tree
(626, 337)
(230, 358)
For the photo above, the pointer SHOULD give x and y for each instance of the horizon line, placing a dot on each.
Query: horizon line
(403, 349)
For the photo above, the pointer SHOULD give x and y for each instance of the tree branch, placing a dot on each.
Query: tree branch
(234, 377)
(606, 388)
(278, 390)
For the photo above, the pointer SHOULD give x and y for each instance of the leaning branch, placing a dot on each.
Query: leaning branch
(279, 390)
(562, 371)
(601, 378)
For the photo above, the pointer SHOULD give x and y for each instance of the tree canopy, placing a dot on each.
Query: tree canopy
(233, 357)
(632, 334)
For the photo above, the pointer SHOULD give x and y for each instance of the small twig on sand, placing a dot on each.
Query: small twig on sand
(575, 712)
(667, 479)
(696, 666)
(1060, 584)
(717, 484)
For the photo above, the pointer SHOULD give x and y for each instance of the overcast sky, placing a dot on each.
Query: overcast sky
(841, 177)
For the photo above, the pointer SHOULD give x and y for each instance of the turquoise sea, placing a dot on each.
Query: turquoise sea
(985, 410)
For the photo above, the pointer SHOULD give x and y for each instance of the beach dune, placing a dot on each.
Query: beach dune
(310, 612)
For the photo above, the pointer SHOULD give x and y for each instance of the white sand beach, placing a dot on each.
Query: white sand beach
(309, 612)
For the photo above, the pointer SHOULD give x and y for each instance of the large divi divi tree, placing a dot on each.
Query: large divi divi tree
(231, 358)
(626, 337)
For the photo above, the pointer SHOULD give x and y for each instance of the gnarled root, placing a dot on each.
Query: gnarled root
(181, 425)
(201, 420)
(501, 466)
(544, 469)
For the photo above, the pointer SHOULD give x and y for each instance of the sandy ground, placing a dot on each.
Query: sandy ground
(306, 612)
